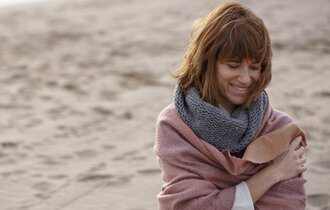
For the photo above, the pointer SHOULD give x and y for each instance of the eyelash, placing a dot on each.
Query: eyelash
(254, 68)
(233, 66)
(251, 67)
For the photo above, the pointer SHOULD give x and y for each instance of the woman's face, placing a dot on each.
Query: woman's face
(236, 80)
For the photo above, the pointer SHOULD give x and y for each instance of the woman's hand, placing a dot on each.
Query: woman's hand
(286, 166)
(290, 163)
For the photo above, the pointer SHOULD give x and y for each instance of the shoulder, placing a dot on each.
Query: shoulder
(275, 120)
(168, 113)
(279, 118)
(172, 131)
(173, 136)
(168, 116)
(169, 121)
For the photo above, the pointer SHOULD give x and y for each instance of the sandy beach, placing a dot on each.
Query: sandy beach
(82, 83)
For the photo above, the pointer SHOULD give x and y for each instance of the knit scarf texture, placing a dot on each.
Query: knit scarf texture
(212, 124)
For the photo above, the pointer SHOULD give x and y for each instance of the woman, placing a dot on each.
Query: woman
(221, 145)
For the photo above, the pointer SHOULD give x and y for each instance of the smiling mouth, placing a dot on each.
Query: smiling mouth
(240, 90)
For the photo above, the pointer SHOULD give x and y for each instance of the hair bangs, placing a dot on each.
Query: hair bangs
(240, 42)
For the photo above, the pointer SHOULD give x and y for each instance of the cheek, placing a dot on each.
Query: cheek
(219, 79)
(222, 81)
(225, 76)
(256, 76)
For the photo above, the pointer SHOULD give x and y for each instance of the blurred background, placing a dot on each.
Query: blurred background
(83, 81)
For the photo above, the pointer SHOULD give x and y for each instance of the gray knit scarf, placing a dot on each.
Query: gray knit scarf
(233, 132)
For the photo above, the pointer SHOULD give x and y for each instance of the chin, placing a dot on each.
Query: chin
(238, 101)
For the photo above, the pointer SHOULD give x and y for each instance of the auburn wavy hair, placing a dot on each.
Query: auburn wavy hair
(230, 31)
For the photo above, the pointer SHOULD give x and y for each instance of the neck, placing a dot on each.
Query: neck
(229, 107)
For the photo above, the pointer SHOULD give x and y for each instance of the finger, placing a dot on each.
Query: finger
(300, 152)
(302, 161)
(295, 143)
(302, 169)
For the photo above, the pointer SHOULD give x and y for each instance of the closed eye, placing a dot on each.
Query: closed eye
(255, 68)
(233, 66)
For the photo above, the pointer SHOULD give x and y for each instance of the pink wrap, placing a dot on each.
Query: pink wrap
(198, 176)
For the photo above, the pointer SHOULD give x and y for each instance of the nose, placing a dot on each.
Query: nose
(244, 76)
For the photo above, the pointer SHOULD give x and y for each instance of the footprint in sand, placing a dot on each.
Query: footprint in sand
(46, 97)
(58, 176)
(126, 115)
(124, 155)
(326, 120)
(150, 171)
(42, 186)
(304, 66)
(48, 160)
(15, 172)
(102, 111)
(120, 180)
(325, 132)
(108, 95)
(87, 153)
(139, 158)
(9, 145)
(98, 167)
(324, 93)
(33, 123)
(9, 161)
(95, 177)
(136, 79)
(318, 200)
(22, 155)
(66, 157)
(51, 83)
(324, 164)
(108, 147)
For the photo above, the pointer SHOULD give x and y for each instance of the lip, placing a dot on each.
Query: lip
(240, 89)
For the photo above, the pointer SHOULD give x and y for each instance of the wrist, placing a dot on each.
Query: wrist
(273, 174)
(262, 181)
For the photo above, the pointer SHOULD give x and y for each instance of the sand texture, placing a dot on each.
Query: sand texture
(82, 83)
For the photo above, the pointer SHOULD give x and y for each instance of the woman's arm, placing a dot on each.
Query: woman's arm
(192, 180)
(186, 190)
(196, 180)
(288, 165)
